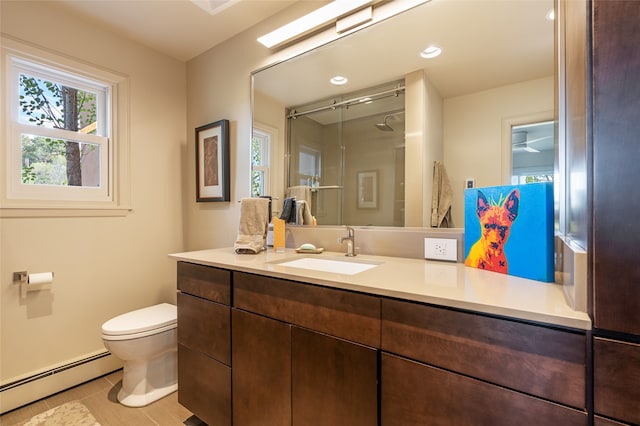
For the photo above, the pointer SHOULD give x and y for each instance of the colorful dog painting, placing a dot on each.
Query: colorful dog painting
(509, 229)
(495, 220)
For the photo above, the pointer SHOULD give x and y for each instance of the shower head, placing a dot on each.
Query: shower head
(384, 126)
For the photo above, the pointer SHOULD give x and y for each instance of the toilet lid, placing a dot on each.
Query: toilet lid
(141, 320)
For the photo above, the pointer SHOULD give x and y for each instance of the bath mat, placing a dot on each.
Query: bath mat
(72, 413)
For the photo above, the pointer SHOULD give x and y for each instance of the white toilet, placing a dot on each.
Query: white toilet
(146, 340)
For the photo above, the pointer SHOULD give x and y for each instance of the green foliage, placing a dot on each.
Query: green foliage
(42, 103)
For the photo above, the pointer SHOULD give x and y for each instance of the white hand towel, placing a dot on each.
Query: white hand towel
(254, 223)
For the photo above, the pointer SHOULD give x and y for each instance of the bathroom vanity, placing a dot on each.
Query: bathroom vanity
(405, 342)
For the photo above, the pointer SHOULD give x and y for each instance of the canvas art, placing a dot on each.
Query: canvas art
(509, 229)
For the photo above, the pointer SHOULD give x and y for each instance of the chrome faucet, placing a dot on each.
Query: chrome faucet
(351, 241)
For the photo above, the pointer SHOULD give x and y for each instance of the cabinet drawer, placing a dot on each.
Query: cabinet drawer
(205, 326)
(205, 281)
(537, 360)
(415, 394)
(204, 387)
(351, 316)
(616, 370)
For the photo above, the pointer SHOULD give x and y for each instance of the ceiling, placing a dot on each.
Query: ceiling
(181, 29)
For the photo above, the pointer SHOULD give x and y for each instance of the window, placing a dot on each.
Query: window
(63, 141)
(309, 160)
(260, 144)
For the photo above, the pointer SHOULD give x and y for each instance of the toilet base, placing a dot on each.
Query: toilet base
(147, 382)
(133, 400)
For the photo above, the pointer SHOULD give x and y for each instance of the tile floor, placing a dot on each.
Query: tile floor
(99, 396)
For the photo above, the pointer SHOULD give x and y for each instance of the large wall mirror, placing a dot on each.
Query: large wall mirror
(494, 78)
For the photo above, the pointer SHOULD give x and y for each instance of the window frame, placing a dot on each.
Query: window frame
(265, 137)
(113, 197)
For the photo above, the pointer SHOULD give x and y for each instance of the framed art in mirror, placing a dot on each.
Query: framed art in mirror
(212, 162)
(368, 189)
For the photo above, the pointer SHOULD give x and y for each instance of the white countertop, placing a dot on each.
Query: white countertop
(439, 283)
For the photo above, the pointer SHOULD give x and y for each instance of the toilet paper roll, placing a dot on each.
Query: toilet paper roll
(40, 278)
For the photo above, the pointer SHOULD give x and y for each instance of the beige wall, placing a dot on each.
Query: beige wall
(473, 127)
(103, 266)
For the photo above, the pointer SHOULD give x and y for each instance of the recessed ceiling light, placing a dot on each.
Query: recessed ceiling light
(551, 15)
(339, 80)
(431, 52)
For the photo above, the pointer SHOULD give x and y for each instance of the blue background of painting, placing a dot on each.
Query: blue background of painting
(529, 248)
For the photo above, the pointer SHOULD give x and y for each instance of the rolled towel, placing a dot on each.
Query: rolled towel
(254, 223)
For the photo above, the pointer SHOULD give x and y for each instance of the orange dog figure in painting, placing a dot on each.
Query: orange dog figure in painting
(495, 225)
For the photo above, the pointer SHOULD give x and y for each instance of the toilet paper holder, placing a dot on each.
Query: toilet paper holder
(30, 282)
(21, 277)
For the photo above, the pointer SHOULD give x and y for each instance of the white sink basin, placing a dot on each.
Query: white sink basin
(336, 266)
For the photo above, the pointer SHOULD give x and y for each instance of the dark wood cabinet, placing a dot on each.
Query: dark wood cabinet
(339, 313)
(334, 382)
(617, 379)
(545, 362)
(303, 344)
(261, 370)
(204, 342)
(615, 271)
(291, 353)
(416, 394)
(616, 150)
(204, 386)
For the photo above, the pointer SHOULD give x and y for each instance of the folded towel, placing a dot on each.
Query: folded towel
(254, 223)
(303, 213)
(300, 193)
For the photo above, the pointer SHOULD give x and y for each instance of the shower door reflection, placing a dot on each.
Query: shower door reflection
(328, 147)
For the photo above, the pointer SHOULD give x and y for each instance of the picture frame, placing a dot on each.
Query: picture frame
(212, 162)
(367, 189)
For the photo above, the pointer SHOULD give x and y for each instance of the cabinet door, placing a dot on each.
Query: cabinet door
(261, 357)
(616, 371)
(415, 394)
(616, 90)
(204, 386)
(334, 381)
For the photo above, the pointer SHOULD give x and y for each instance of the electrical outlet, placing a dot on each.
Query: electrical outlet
(441, 249)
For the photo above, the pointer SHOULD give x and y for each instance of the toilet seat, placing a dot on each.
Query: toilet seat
(141, 323)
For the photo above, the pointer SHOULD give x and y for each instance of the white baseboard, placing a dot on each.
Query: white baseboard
(44, 384)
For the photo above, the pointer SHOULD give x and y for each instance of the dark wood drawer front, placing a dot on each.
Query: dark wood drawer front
(537, 360)
(351, 316)
(601, 421)
(415, 394)
(205, 326)
(261, 370)
(616, 386)
(204, 387)
(334, 381)
(205, 281)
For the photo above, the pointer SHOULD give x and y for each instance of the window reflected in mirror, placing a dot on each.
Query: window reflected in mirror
(532, 152)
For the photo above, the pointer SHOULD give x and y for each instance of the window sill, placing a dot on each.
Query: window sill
(62, 212)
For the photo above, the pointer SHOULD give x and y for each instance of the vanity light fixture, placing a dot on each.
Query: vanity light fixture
(431, 52)
(311, 21)
(338, 80)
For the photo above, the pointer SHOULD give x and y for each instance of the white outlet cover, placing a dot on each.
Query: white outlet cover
(441, 249)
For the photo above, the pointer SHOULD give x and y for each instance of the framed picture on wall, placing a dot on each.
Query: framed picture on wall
(368, 189)
(212, 162)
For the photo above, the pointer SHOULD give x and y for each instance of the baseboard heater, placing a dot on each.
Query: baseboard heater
(42, 384)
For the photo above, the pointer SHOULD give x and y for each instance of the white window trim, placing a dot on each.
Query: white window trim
(266, 137)
(117, 201)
